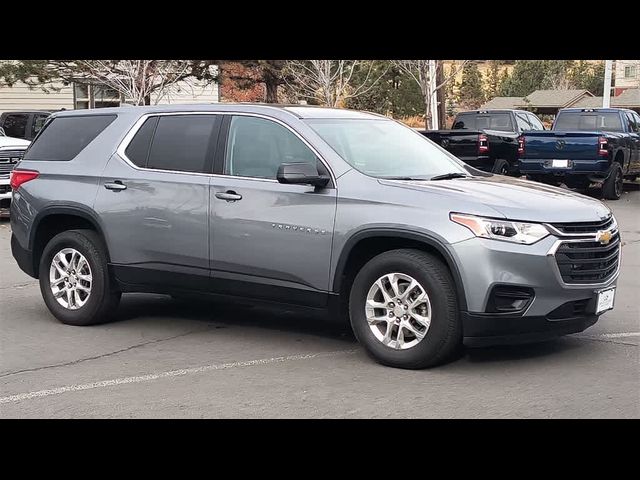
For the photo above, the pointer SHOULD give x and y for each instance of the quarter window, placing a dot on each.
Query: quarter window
(138, 149)
(183, 143)
(256, 147)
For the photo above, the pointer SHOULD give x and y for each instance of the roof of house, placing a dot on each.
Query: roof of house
(630, 98)
(503, 103)
(555, 98)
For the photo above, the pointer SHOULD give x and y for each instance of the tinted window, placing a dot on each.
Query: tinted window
(138, 149)
(633, 126)
(586, 121)
(37, 124)
(491, 121)
(256, 147)
(182, 142)
(15, 125)
(64, 137)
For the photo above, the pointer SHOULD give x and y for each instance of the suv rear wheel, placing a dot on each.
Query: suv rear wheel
(74, 279)
(403, 310)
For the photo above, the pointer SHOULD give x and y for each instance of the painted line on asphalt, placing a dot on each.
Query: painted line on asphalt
(168, 374)
(620, 335)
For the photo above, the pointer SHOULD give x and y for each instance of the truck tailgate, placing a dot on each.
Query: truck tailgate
(461, 143)
(561, 145)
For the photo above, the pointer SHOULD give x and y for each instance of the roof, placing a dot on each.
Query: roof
(299, 111)
(630, 98)
(503, 103)
(554, 98)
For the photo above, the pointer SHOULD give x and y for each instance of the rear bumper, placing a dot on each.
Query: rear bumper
(576, 167)
(23, 257)
(481, 330)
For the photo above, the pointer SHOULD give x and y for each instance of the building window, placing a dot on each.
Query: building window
(630, 71)
(95, 96)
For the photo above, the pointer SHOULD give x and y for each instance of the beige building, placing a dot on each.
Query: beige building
(21, 97)
(627, 75)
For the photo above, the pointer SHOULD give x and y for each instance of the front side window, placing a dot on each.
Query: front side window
(633, 125)
(37, 124)
(385, 149)
(183, 143)
(523, 123)
(65, 137)
(256, 147)
(535, 122)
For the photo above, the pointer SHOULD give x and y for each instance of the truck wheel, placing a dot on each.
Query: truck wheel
(74, 279)
(403, 310)
(612, 186)
(501, 167)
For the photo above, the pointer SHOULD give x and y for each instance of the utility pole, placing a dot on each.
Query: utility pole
(433, 97)
(606, 96)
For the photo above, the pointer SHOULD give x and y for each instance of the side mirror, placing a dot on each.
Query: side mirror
(301, 174)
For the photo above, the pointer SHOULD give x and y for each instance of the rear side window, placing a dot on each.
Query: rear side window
(65, 137)
(15, 125)
(138, 149)
(183, 143)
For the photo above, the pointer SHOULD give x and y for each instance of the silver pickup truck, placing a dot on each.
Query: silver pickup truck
(11, 152)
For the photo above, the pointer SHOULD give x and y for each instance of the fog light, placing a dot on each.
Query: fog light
(508, 299)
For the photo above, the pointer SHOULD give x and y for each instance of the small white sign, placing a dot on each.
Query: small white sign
(605, 300)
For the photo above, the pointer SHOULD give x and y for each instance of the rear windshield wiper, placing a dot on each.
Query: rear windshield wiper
(447, 176)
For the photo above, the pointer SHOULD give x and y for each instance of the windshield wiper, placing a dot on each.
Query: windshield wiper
(447, 176)
(403, 178)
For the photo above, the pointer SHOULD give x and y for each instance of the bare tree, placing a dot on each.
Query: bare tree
(331, 82)
(418, 70)
(136, 80)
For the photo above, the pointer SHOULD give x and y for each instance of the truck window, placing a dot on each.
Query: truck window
(15, 125)
(634, 126)
(535, 122)
(523, 123)
(587, 121)
(487, 121)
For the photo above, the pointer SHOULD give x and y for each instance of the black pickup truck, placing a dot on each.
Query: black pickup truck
(585, 146)
(487, 139)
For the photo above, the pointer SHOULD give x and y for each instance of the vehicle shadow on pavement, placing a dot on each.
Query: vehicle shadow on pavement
(527, 351)
(226, 314)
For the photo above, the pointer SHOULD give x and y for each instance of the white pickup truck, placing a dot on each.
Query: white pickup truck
(11, 152)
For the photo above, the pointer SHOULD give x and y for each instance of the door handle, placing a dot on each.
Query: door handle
(229, 196)
(116, 186)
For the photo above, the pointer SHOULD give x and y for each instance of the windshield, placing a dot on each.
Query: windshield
(589, 121)
(385, 149)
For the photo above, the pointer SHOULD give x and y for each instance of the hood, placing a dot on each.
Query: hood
(514, 199)
(13, 142)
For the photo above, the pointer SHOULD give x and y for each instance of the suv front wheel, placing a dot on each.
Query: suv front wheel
(74, 279)
(403, 310)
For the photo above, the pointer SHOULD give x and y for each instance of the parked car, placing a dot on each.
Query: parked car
(25, 125)
(11, 152)
(585, 146)
(332, 210)
(487, 139)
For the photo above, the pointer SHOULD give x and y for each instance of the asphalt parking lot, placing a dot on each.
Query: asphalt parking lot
(162, 358)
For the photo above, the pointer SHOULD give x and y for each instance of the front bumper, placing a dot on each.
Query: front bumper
(485, 264)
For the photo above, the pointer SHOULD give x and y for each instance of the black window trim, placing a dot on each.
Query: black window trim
(222, 137)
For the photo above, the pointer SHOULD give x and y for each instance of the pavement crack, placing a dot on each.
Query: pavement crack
(605, 340)
(104, 355)
(20, 285)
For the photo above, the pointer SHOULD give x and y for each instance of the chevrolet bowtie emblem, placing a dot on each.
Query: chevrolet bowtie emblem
(603, 236)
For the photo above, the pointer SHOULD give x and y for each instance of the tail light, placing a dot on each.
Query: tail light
(483, 144)
(603, 144)
(520, 146)
(18, 177)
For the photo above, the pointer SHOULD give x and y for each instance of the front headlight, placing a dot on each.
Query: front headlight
(506, 230)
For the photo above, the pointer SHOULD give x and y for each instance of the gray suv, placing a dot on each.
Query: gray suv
(332, 210)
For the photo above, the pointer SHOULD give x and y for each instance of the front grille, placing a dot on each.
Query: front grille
(5, 189)
(9, 158)
(586, 262)
(584, 227)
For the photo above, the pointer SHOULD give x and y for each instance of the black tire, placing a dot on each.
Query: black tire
(103, 300)
(501, 167)
(444, 336)
(612, 186)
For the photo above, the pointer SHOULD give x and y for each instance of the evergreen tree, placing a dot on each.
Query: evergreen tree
(492, 81)
(471, 94)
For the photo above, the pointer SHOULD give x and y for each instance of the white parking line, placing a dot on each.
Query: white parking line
(620, 335)
(172, 373)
